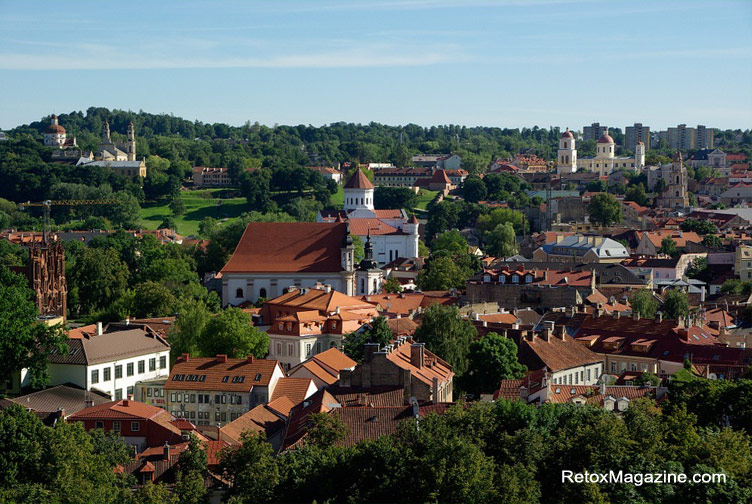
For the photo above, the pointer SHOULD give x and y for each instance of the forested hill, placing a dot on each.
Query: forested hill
(219, 144)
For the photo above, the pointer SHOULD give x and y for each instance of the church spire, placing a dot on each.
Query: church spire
(106, 132)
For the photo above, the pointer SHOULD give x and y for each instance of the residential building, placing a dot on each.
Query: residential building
(594, 131)
(442, 161)
(518, 287)
(109, 361)
(566, 361)
(405, 364)
(141, 426)
(662, 268)
(703, 137)
(306, 322)
(392, 233)
(262, 418)
(328, 172)
(651, 241)
(415, 177)
(58, 403)
(211, 391)
(581, 248)
(743, 261)
(635, 134)
(272, 256)
(736, 194)
(203, 176)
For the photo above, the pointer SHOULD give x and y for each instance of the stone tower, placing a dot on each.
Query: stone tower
(46, 273)
(131, 142)
(368, 277)
(675, 195)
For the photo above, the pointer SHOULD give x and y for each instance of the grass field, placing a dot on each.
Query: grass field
(202, 203)
(198, 204)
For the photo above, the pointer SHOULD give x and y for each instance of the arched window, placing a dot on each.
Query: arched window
(375, 285)
(262, 293)
(565, 145)
(239, 293)
(363, 285)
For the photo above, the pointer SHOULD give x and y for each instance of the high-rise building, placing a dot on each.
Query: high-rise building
(594, 132)
(703, 137)
(635, 134)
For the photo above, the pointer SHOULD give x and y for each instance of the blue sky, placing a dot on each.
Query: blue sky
(501, 63)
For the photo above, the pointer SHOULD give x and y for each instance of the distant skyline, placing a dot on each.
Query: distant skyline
(513, 63)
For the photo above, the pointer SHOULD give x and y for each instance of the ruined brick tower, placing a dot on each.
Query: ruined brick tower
(46, 273)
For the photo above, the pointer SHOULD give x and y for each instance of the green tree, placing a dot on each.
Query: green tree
(126, 213)
(474, 190)
(387, 198)
(451, 242)
(701, 227)
(232, 333)
(177, 206)
(637, 194)
(392, 285)
(208, 227)
(502, 241)
(252, 468)
(644, 303)
(660, 186)
(168, 223)
(447, 335)
(604, 209)
(98, 278)
(676, 304)
(668, 247)
(325, 430)
(377, 331)
(491, 359)
(191, 471)
(152, 299)
(441, 273)
(185, 335)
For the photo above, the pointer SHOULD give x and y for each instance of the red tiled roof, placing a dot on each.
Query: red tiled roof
(219, 374)
(434, 367)
(557, 354)
(440, 176)
(364, 226)
(592, 395)
(260, 418)
(358, 181)
(295, 389)
(304, 247)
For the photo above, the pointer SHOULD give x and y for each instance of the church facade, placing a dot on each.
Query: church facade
(603, 163)
(392, 233)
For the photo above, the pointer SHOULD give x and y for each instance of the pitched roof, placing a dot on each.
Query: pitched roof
(70, 398)
(592, 393)
(358, 181)
(319, 300)
(402, 326)
(434, 367)
(680, 237)
(334, 359)
(87, 348)
(295, 389)
(304, 247)
(221, 373)
(370, 396)
(282, 405)
(260, 418)
(556, 354)
(440, 176)
(365, 226)
(125, 409)
(320, 402)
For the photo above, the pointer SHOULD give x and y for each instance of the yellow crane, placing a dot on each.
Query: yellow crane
(47, 204)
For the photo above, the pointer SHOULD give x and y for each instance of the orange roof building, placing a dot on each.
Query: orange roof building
(324, 368)
(212, 391)
(272, 256)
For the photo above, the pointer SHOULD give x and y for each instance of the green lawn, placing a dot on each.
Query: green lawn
(338, 199)
(198, 204)
(425, 197)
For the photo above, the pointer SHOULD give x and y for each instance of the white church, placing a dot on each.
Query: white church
(605, 160)
(392, 233)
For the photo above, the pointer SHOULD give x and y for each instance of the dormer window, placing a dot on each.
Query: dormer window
(528, 278)
(515, 279)
(486, 278)
(502, 279)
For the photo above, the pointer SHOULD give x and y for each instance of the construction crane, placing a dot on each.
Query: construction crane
(47, 204)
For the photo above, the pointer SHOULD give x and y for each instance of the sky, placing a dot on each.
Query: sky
(506, 63)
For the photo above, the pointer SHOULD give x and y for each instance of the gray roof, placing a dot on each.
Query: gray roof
(112, 164)
(606, 273)
(110, 346)
(70, 398)
(580, 245)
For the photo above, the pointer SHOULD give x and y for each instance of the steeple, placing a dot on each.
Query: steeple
(106, 132)
(131, 142)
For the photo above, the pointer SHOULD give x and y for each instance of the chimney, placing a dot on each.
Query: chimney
(561, 333)
(221, 358)
(659, 317)
(546, 334)
(99, 328)
(250, 359)
(368, 350)
(186, 357)
(636, 316)
(417, 354)
(89, 403)
(127, 402)
(328, 287)
(127, 320)
(603, 388)
(166, 451)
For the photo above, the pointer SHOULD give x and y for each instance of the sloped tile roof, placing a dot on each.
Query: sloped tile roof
(241, 374)
(295, 389)
(556, 354)
(86, 348)
(434, 367)
(260, 418)
(358, 181)
(305, 247)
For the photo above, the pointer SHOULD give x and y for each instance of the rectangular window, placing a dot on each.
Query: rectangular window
(118, 372)
(224, 416)
(99, 424)
(279, 348)
(148, 392)
(308, 349)
(118, 394)
(116, 426)
(180, 396)
(206, 400)
(224, 399)
(201, 398)
(129, 391)
(141, 367)
(216, 399)
(193, 398)
(94, 376)
(162, 362)
(216, 416)
(173, 397)
(129, 369)
(613, 367)
(106, 372)
(588, 375)
(290, 349)
(152, 364)
(135, 426)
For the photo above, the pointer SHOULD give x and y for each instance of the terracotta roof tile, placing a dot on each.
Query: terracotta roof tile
(231, 375)
(358, 181)
(288, 247)
(258, 419)
(295, 389)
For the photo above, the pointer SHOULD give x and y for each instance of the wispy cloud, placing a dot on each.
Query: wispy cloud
(352, 56)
